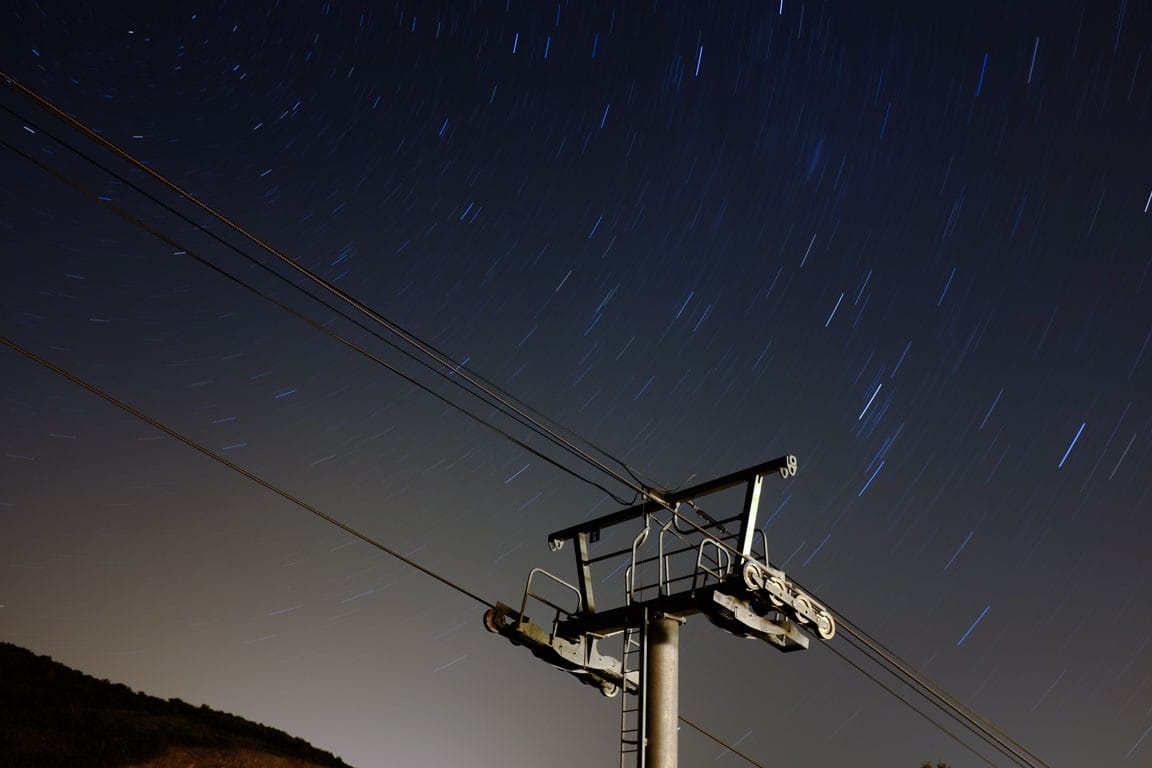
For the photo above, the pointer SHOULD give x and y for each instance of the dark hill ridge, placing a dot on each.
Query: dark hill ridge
(52, 715)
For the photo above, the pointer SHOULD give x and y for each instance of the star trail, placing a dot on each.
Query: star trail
(910, 245)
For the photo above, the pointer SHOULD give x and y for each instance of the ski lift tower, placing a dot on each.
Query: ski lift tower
(677, 560)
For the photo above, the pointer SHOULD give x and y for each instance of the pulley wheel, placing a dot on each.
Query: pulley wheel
(753, 576)
(803, 606)
(492, 620)
(825, 625)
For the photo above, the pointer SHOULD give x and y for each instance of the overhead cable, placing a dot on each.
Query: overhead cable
(63, 178)
(448, 363)
(200, 447)
(936, 695)
(908, 704)
(450, 377)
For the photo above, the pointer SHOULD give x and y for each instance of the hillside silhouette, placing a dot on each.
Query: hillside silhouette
(54, 716)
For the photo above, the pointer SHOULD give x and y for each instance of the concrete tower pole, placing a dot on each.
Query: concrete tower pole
(662, 689)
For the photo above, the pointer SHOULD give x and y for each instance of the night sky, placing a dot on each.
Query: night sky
(909, 243)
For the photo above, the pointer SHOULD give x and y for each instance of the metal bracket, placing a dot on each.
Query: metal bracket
(578, 657)
(739, 618)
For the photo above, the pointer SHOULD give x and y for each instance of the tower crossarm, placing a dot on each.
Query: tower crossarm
(677, 535)
(785, 465)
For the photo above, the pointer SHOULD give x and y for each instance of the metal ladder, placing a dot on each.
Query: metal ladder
(632, 725)
(634, 665)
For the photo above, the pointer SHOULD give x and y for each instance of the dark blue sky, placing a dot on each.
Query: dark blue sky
(910, 245)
